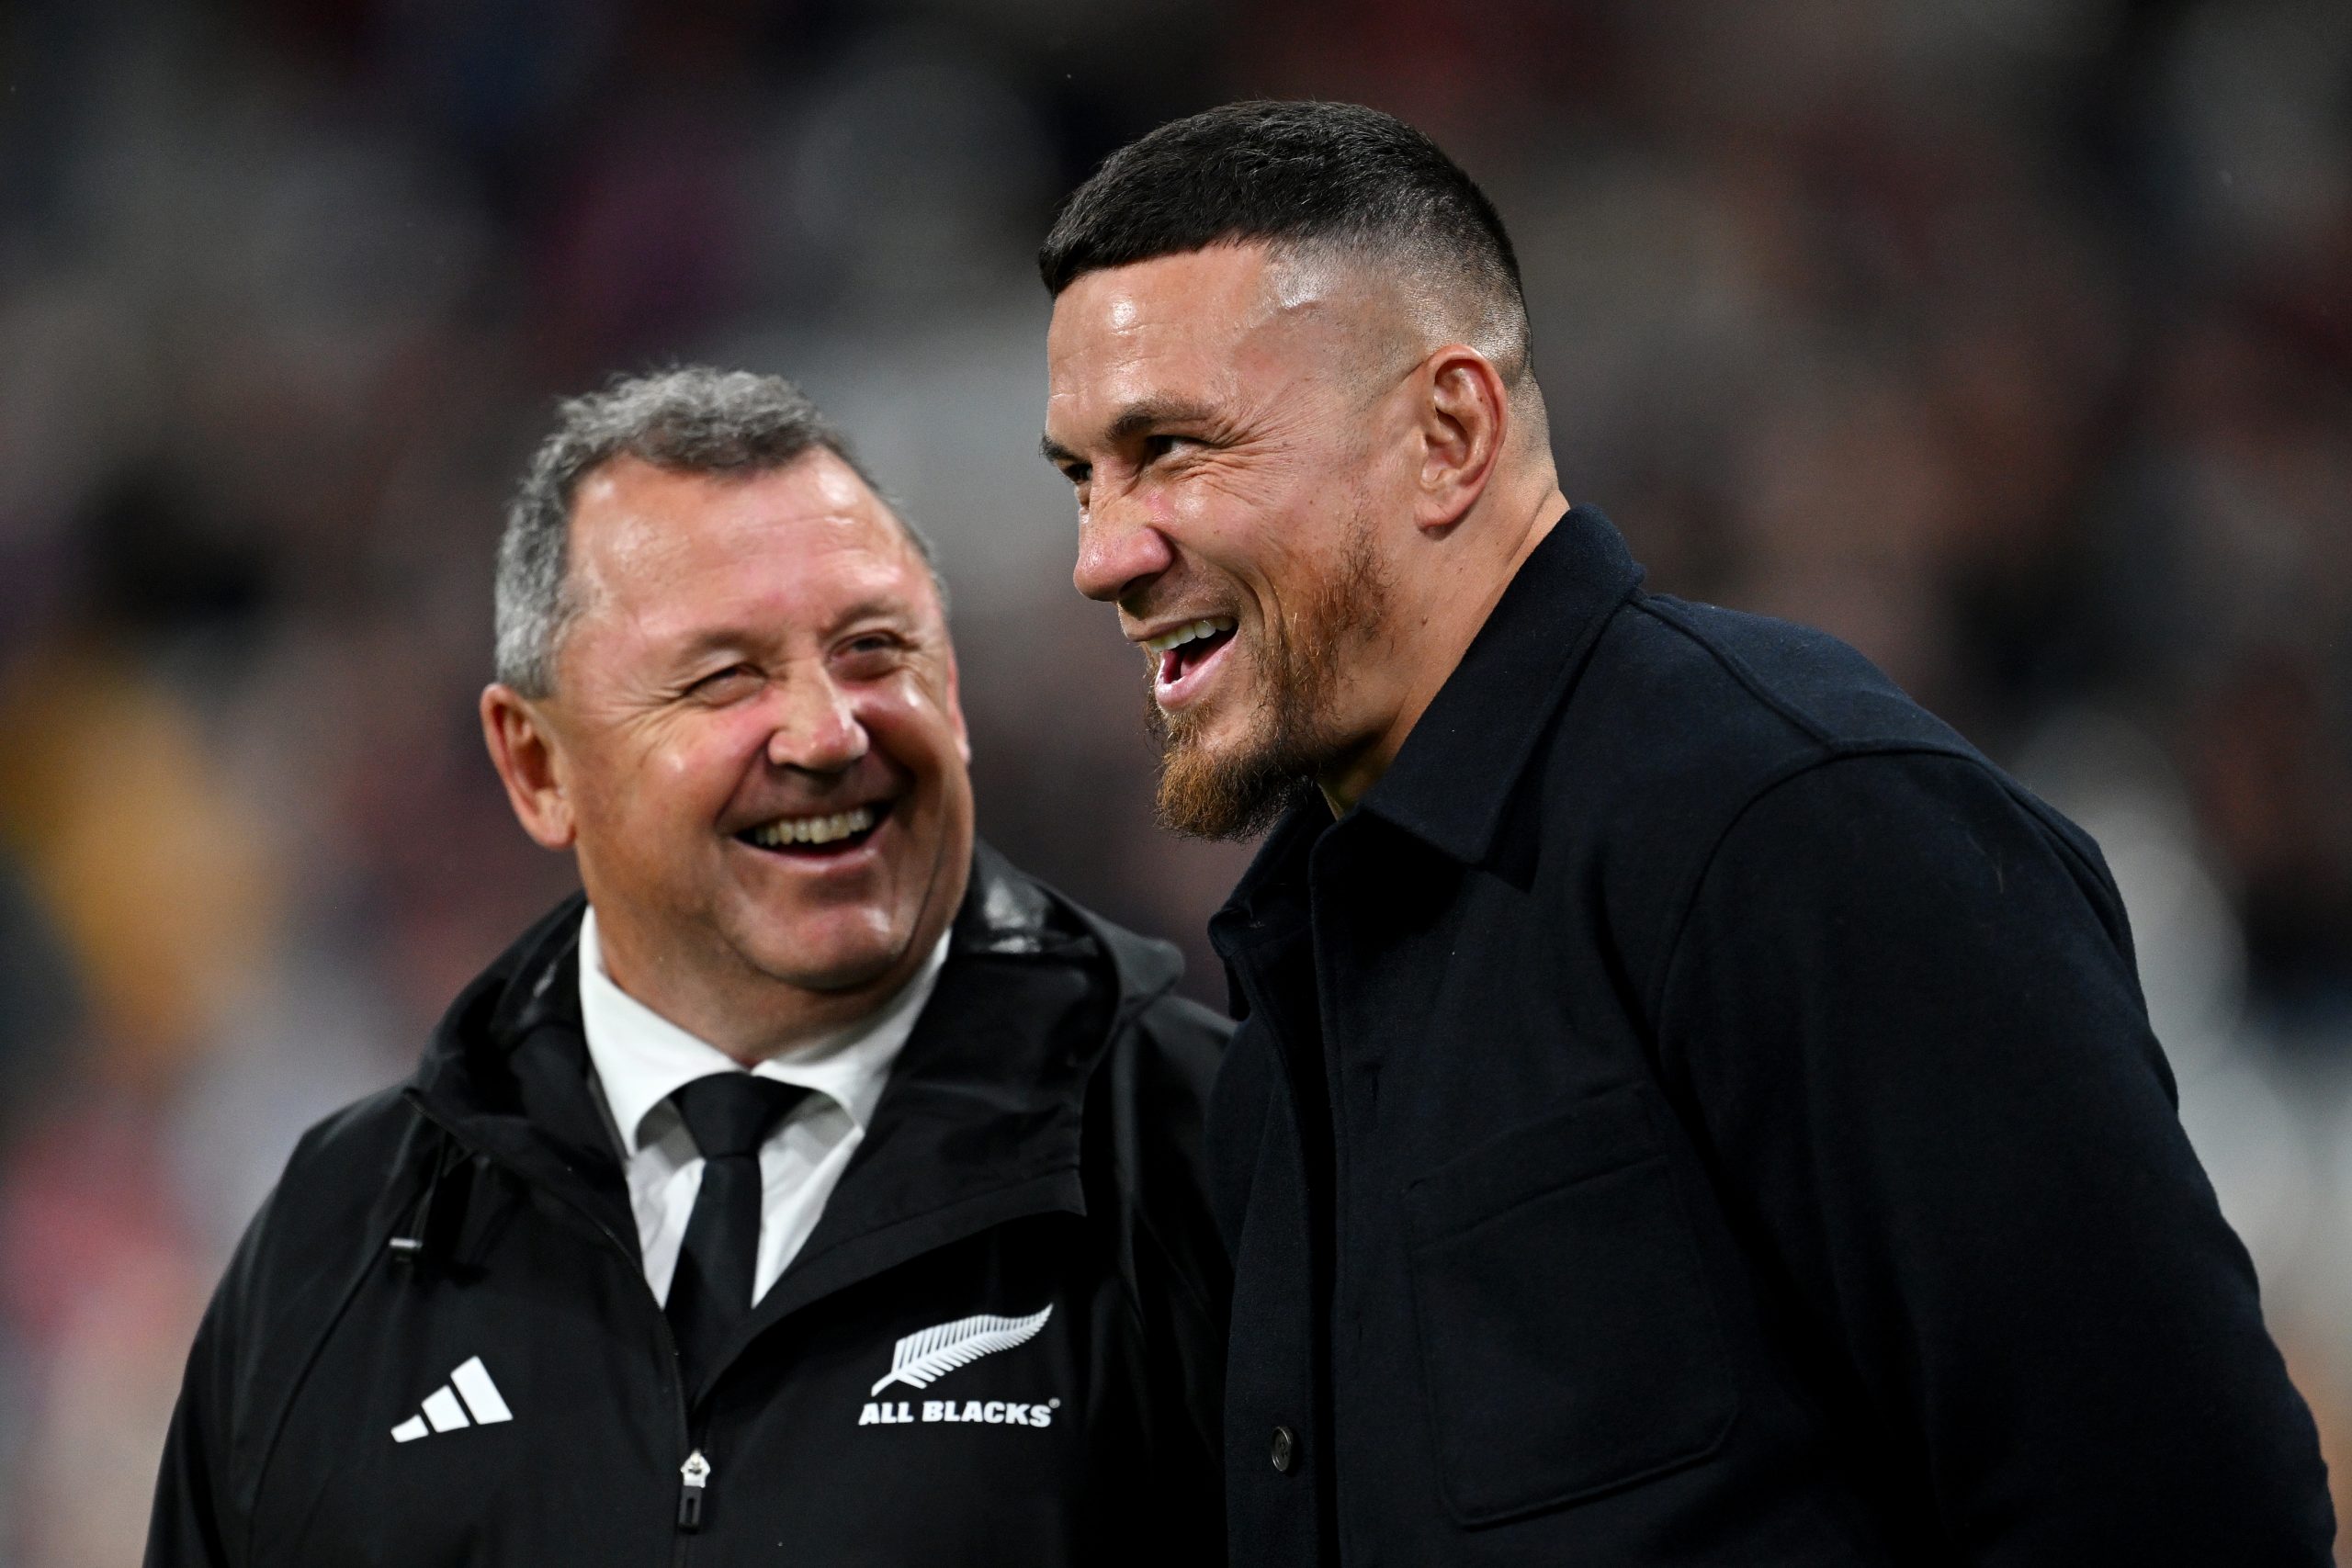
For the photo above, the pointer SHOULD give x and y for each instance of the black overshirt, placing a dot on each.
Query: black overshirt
(1696, 1110)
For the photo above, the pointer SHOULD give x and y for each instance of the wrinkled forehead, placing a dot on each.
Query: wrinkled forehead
(666, 544)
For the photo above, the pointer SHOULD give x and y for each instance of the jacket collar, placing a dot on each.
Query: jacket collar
(535, 982)
(1457, 769)
(982, 1119)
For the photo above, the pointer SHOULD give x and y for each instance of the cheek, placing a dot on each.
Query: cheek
(1268, 521)
(1235, 494)
(693, 768)
(912, 725)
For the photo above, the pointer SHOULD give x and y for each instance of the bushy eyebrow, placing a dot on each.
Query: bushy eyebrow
(1136, 418)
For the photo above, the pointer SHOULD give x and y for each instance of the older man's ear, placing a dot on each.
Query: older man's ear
(525, 755)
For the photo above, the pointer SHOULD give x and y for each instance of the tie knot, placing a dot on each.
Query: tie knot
(732, 1113)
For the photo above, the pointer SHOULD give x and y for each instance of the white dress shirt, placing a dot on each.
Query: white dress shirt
(642, 1058)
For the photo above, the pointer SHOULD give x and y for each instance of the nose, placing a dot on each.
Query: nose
(817, 726)
(1117, 553)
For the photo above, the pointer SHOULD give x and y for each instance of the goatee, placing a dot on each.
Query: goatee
(1243, 791)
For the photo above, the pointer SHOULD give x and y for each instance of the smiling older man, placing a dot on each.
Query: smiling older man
(817, 1188)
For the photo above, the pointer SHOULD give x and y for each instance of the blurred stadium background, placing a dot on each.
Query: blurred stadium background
(2010, 339)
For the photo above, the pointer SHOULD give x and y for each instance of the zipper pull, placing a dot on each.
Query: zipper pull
(695, 1475)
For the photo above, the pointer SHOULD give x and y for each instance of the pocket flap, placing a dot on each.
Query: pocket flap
(1593, 1136)
(1570, 1342)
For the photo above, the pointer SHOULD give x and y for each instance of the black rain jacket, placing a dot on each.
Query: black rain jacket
(1696, 1111)
(462, 1249)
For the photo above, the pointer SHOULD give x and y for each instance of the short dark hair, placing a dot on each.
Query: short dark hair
(1309, 175)
(691, 418)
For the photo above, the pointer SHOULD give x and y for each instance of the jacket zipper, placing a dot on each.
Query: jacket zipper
(693, 1474)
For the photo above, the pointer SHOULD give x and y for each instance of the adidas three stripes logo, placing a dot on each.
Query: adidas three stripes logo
(482, 1407)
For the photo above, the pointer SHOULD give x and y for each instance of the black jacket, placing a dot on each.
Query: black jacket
(1696, 1110)
(1036, 1148)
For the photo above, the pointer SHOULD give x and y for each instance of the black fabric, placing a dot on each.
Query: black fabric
(1034, 1158)
(729, 1116)
(1697, 1111)
(1573, 1214)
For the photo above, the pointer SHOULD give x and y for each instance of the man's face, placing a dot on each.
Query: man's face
(1225, 418)
(756, 727)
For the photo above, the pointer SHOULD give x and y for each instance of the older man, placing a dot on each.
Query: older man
(819, 1189)
(1692, 1108)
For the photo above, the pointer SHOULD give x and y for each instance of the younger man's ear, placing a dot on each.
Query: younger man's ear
(524, 752)
(1465, 420)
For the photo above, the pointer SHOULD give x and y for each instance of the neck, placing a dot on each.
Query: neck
(749, 1016)
(1438, 625)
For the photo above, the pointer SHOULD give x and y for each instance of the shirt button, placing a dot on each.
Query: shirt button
(1284, 1450)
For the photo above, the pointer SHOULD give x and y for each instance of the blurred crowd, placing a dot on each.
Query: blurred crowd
(2010, 340)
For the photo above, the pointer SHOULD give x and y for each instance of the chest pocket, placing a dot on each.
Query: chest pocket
(1568, 1344)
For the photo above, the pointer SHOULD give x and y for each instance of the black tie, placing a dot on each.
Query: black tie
(730, 1115)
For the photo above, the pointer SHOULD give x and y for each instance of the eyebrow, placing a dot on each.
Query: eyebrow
(735, 639)
(702, 644)
(1133, 420)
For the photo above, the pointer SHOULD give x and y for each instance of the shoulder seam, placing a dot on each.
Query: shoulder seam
(1739, 670)
(1686, 897)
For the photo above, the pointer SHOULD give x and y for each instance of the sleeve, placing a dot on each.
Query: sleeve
(183, 1528)
(195, 1520)
(1904, 1014)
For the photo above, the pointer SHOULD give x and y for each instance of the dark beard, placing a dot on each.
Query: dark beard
(1245, 791)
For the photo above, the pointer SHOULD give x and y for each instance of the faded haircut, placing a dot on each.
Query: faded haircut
(1309, 178)
(693, 420)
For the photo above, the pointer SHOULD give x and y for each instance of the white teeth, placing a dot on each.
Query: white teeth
(813, 830)
(1178, 637)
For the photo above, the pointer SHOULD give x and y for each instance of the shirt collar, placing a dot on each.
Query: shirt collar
(642, 1058)
(1457, 769)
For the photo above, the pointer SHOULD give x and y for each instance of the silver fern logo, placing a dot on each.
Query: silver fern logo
(922, 1358)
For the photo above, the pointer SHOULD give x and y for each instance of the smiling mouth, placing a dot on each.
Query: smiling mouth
(820, 836)
(1181, 649)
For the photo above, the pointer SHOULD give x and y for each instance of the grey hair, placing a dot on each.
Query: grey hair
(691, 419)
